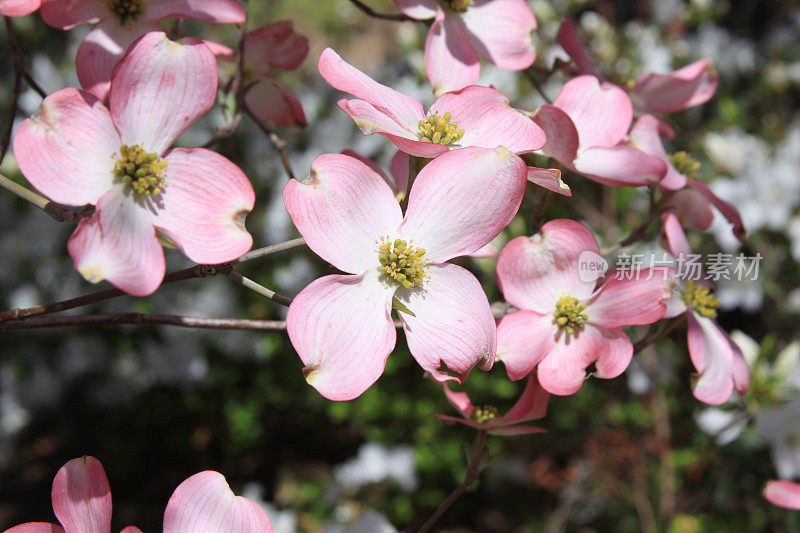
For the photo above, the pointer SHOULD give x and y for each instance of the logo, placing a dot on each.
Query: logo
(591, 266)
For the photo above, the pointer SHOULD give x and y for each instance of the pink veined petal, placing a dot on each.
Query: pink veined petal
(727, 210)
(204, 503)
(531, 405)
(675, 304)
(66, 150)
(220, 51)
(18, 8)
(203, 206)
(620, 166)
(418, 9)
(206, 10)
(629, 302)
(35, 527)
(691, 208)
(562, 136)
(274, 46)
(399, 169)
(343, 332)
(451, 62)
(372, 165)
(783, 494)
(524, 338)
(459, 400)
(82, 497)
(274, 106)
(534, 272)
(712, 356)
(687, 87)
(102, 48)
(500, 31)
(563, 371)
(514, 431)
(489, 121)
(453, 323)
(677, 243)
(66, 14)
(160, 88)
(401, 109)
(462, 200)
(645, 136)
(571, 42)
(342, 209)
(118, 243)
(601, 111)
(550, 179)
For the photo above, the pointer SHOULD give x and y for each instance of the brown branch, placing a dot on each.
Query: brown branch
(59, 213)
(399, 17)
(19, 62)
(276, 141)
(531, 78)
(260, 289)
(143, 318)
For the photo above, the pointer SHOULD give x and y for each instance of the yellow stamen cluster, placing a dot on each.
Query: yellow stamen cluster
(439, 130)
(701, 299)
(685, 164)
(126, 10)
(456, 5)
(483, 414)
(143, 172)
(402, 262)
(569, 314)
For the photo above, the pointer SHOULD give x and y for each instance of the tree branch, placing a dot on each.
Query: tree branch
(143, 318)
(399, 17)
(276, 141)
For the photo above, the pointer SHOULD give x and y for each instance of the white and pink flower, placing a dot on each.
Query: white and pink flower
(204, 503)
(76, 151)
(564, 324)
(462, 30)
(18, 8)
(118, 23)
(341, 325)
(784, 494)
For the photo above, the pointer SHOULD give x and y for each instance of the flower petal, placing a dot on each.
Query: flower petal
(549, 178)
(204, 503)
(274, 106)
(489, 121)
(35, 527)
(451, 62)
(601, 111)
(462, 199)
(453, 323)
(203, 205)
(646, 138)
(343, 332)
(459, 400)
(713, 353)
(66, 150)
(532, 404)
(18, 8)
(160, 88)
(727, 210)
(783, 494)
(630, 302)
(131, 529)
(677, 244)
(571, 42)
(399, 169)
(524, 338)
(620, 166)
(82, 497)
(687, 87)
(274, 46)
(67, 15)
(500, 31)
(691, 208)
(118, 243)
(206, 10)
(534, 272)
(562, 136)
(418, 9)
(342, 210)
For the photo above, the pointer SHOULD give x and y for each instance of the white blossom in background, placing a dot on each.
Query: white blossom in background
(369, 522)
(376, 463)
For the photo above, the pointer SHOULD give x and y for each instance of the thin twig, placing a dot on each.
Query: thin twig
(399, 17)
(473, 471)
(665, 330)
(59, 213)
(273, 249)
(641, 230)
(277, 142)
(536, 85)
(143, 318)
(19, 62)
(5, 142)
(260, 289)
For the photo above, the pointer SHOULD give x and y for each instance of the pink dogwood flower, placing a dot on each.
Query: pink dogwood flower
(473, 116)
(497, 30)
(717, 359)
(203, 503)
(563, 324)
(341, 325)
(531, 405)
(118, 23)
(76, 152)
(18, 8)
(783, 494)
(587, 128)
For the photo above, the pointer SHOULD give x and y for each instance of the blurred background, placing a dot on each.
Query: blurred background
(156, 404)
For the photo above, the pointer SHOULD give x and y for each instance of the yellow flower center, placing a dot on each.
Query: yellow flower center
(569, 314)
(685, 164)
(701, 299)
(439, 130)
(141, 171)
(456, 5)
(483, 414)
(126, 10)
(402, 262)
